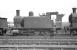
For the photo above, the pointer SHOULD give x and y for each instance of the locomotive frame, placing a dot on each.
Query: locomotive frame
(34, 31)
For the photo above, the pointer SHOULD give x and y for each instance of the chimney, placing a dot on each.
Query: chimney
(74, 10)
(17, 12)
(31, 13)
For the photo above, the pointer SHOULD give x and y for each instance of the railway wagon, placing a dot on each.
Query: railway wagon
(3, 26)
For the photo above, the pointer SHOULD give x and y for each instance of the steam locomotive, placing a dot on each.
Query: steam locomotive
(73, 22)
(33, 25)
(30, 25)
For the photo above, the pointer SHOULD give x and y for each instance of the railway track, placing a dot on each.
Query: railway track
(21, 40)
(38, 37)
(42, 43)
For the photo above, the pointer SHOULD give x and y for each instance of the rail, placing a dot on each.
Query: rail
(53, 46)
(38, 37)
(39, 41)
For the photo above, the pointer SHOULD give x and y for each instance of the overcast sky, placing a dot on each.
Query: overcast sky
(8, 7)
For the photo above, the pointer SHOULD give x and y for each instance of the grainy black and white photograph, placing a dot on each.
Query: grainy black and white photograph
(38, 24)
